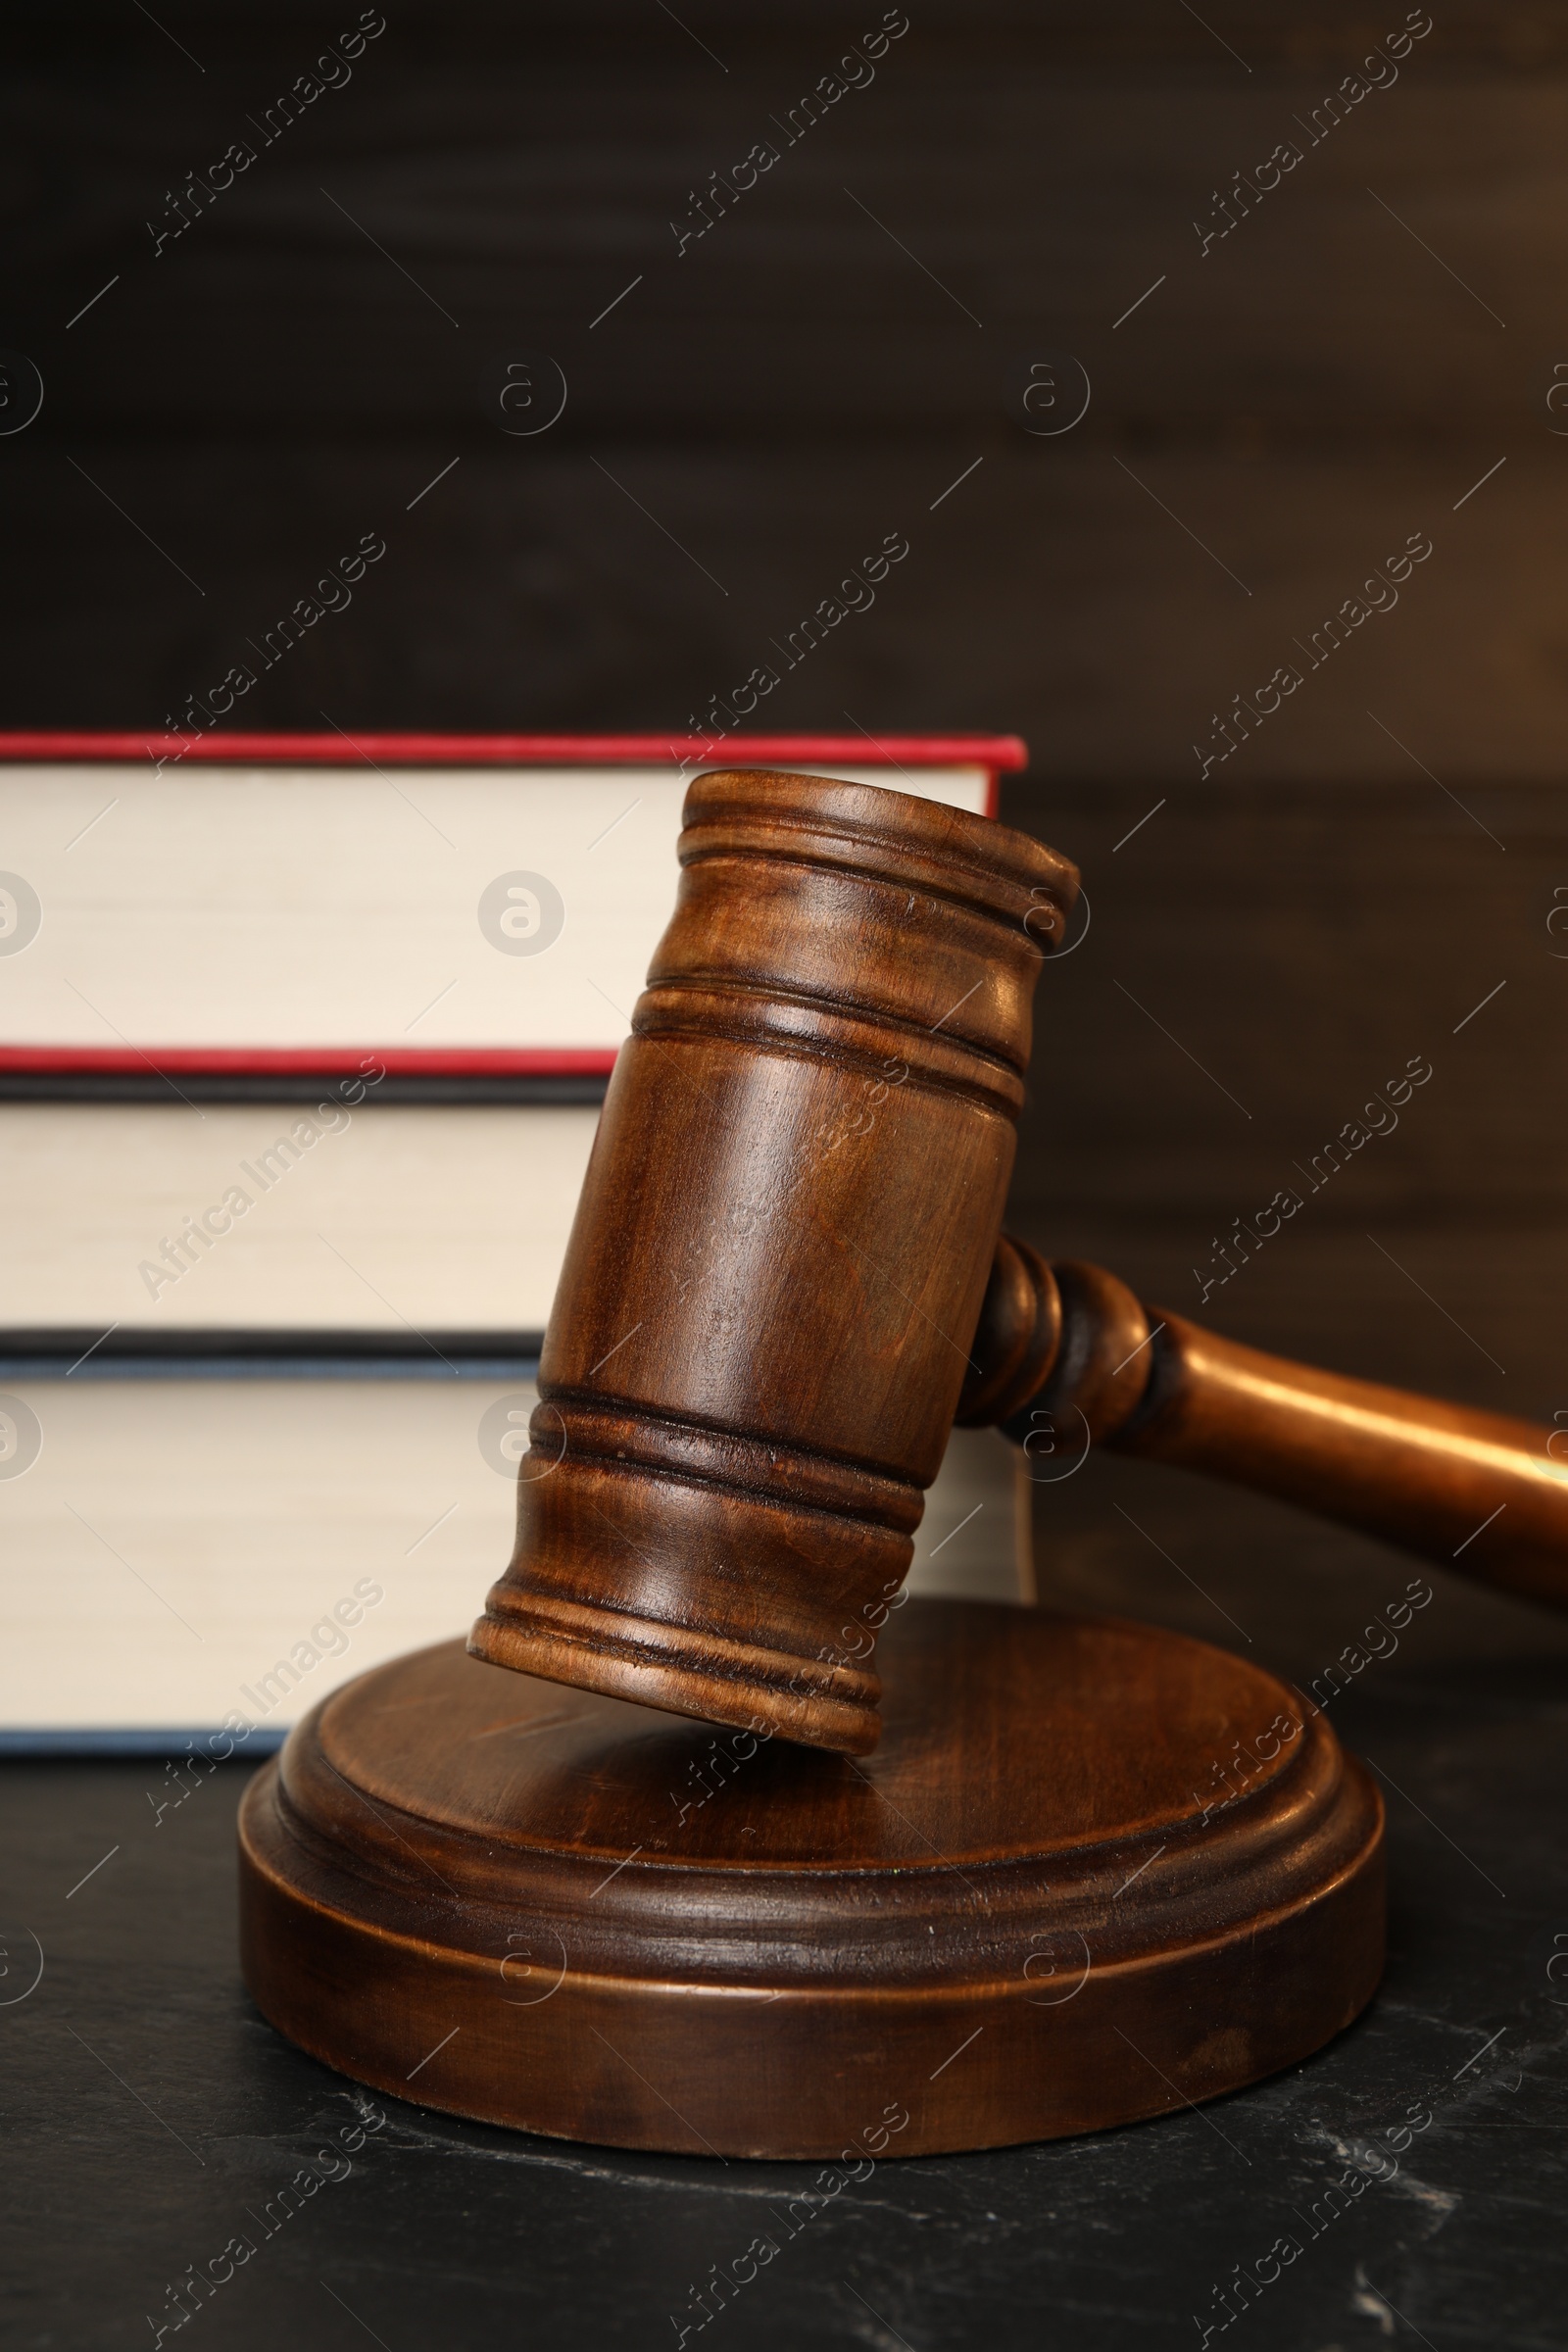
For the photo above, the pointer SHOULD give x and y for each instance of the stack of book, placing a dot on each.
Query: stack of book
(304, 1042)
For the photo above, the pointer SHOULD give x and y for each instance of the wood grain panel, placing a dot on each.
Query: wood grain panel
(1025, 191)
(1051, 591)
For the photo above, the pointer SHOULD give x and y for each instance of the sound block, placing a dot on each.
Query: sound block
(1093, 1871)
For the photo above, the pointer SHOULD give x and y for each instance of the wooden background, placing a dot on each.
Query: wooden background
(756, 414)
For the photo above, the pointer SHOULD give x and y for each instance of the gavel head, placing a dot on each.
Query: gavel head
(765, 1318)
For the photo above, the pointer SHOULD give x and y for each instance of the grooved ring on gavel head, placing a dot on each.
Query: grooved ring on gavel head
(779, 1257)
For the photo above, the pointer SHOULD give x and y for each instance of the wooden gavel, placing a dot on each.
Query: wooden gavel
(785, 1283)
(1068, 1345)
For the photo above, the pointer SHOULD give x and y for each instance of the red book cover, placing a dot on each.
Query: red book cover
(244, 912)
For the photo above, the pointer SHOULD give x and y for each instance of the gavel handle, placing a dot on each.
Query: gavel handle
(1065, 1353)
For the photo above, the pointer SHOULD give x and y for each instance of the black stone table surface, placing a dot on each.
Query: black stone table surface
(1417, 2166)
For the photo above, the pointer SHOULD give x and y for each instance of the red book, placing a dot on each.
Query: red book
(233, 915)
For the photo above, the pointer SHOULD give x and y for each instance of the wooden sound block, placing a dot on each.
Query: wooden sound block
(1093, 1872)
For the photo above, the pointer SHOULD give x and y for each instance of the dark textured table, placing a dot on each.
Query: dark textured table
(1418, 2164)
